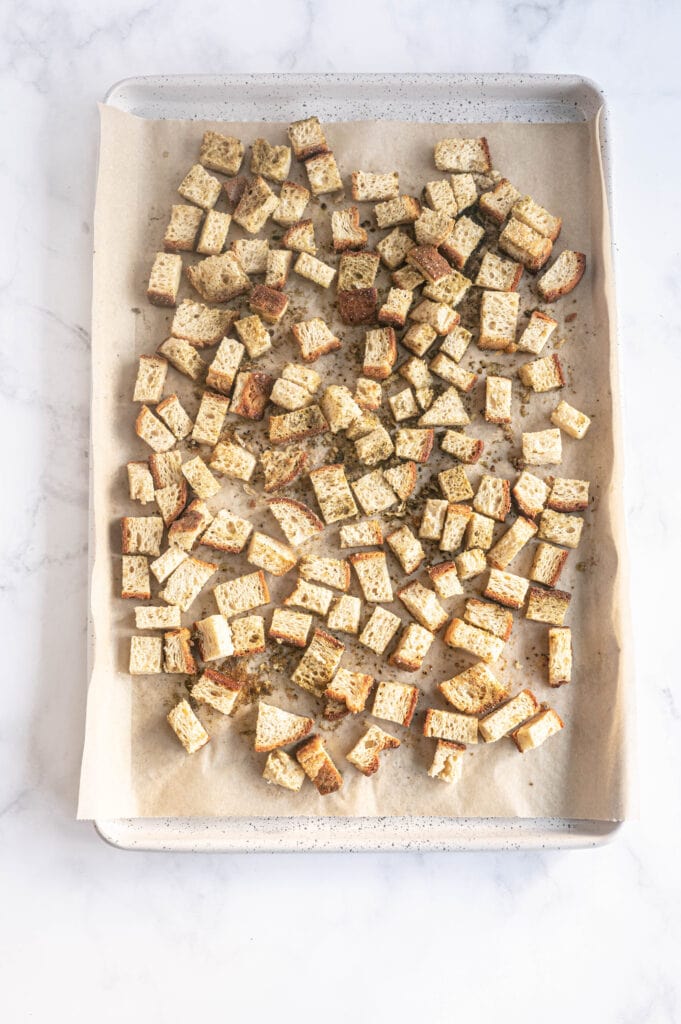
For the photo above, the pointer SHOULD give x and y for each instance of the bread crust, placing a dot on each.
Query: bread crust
(552, 294)
(357, 306)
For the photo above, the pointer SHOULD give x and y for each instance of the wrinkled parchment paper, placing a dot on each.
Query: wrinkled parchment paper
(133, 765)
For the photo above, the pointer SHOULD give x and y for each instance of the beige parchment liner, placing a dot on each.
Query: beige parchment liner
(133, 765)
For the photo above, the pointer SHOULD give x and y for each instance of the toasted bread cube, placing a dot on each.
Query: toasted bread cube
(483, 645)
(370, 188)
(200, 325)
(323, 174)
(140, 482)
(314, 339)
(403, 405)
(506, 588)
(419, 338)
(339, 407)
(273, 162)
(455, 527)
(542, 447)
(455, 344)
(446, 368)
(248, 635)
(281, 770)
(568, 495)
(282, 468)
(465, 190)
(234, 190)
(307, 138)
(276, 727)
(455, 484)
(186, 582)
(186, 530)
(350, 689)
(182, 229)
(174, 416)
(446, 411)
(219, 278)
(214, 233)
(333, 493)
(364, 534)
(256, 205)
(141, 535)
(368, 394)
(221, 153)
(135, 578)
(200, 187)
(511, 543)
(251, 394)
(232, 460)
(432, 227)
(460, 245)
(145, 655)
(254, 336)
(373, 493)
(470, 563)
(497, 274)
(498, 319)
(344, 614)
(571, 420)
(406, 549)
(547, 605)
(210, 418)
(314, 270)
(346, 231)
(200, 478)
(218, 690)
(222, 371)
(214, 638)
(415, 371)
(407, 277)
(319, 767)
(394, 247)
(539, 329)
(300, 237)
(395, 702)
(183, 357)
(449, 725)
(479, 532)
(332, 572)
(289, 627)
(547, 564)
(429, 262)
(171, 501)
(440, 196)
(166, 563)
(251, 254)
(269, 303)
(372, 572)
(450, 289)
(278, 268)
(423, 605)
(498, 202)
(493, 497)
(158, 617)
(297, 521)
(298, 425)
(365, 754)
(164, 279)
(318, 665)
(309, 596)
(363, 425)
(270, 554)
(412, 648)
(433, 518)
(475, 691)
(401, 210)
(187, 727)
(492, 618)
(530, 494)
(395, 308)
(242, 594)
(379, 630)
(374, 447)
(293, 199)
(357, 306)
(508, 717)
(380, 353)
(165, 468)
(289, 396)
(465, 449)
(463, 155)
(525, 245)
(357, 270)
(542, 374)
(445, 579)
(447, 761)
(564, 275)
(535, 732)
(177, 652)
(560, 656)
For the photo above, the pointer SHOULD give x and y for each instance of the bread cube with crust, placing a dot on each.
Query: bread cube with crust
(489, 616)
(278, 268)
(214, 638)
(214, 233)
(242, 594)
(234, 190)
(429, 262)
(393, 248)
(187, 727)
(344, 614)
(498, 396)
(470, 563)
(509, 716)
(455, 526)
(371, 568)
(346, 231)
(270, 554)
(318, 766)
(333, 493)
(368, 394)
(300, 237)
(186, 582)
(464, 239)
(140, 482)
(447, 761)
(171, 501)
(440, 196)
(536, 217)
(465, 190)
(493, 497)
(403, 405)
(539, 329)
(374, 447)
(339, 407)
(506, 588)
(464, 448)
(373, 492)
(406, 548)
(297, 521)
(135, 578)
(217, 689)
(414, 444)
(319, 664)
(273, 162)
(498, 319)
(394, 310)
(395, 702)
(314, 270)
(412, 648)
(248, 635)
(479, 532)
(183, 357)
(164, 279)
(433, 518)
(446, 368)
(547, 605)
(219, 278)
(201, 325)
(562, 276)
(432, 227)
(407, 277)
(463, 155)
(282, 468)
(535, 732)
(350, 689)
(314, 339)
(251, 394)
(186, 530)
(543, 374)
(289, 396)
(542, 447)
(547, 564)
(332, 572)
(166, 563)
(357, 306)
(450, 289)
(455, 344)
(358, 535)
(449, 725)
(233, 460)
(365, 754)
(165, 468)
(479, 642)
(511, 543)
(200, 478)
(141, 535)
(379, 630)
(323, 174)
(401, 210)
(570, 420)
(297, 425)
(256, 205)
(402, 478)
(200, 187)
(446, 411)
(525, 245)
(474, 692)
(289, 627)
(560, 656)
(223, 370)
(454, 484)
(497, 274)
(498, 202)
(182, 229)
(277, 728)
(281, 770)
(173, 414)
(368, 187)
(530, 493)
(210, 418)
(445, 579)
(293, 199)
(227, 532)
(568, 495)
(307, 138)
(222, 153)
(380, 353)
(423, 605)
(145, 656)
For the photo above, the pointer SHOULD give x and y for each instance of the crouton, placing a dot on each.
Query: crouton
(221, 153)
(446, 368)
(430, 264)
(539, 329)
(278, 268)
(339, 407)
(318, 766)
(166, 563)
(289, 396)
(232, 460)
(542, 447)
(314, 270)
(446, 411)
(187, 581)
(368, 394)
(560, 656)
(401, 210)
(379, 630)
(362, 425)
(479, 532)
(447, 762)
(217, 689)
(307, 138)
(498, 202)
(440, 196)
(158, 617)
(200, 325)
(415, 371)
(423, 605)
(187, 727)
(164, 279)
(394, 247)
(402, 479)
(314, 339)
(257, 203)
(433, 518)
(251, 394)
(282, 468)
(219, 278)
(234, 190)
(171, 501)
(272, 555)
(350, 689)
(174, 416)
(373, 492)
(298, 425)
(455, 527)
(374, 447)
(547, 605)
(412, 648)
(332, 572)
(506, 588)
(281, 770)
(177, 653)
(365, 754)
(449, 289)
(419, 338)
(450, 726)
(152, 431)
(371, 568)
(293, 199)
(273, 162)
(489, 617)
(214, 233)
(380, 353)
(537, 218)
(483, 645)
(357, 270)
(186, 530)
(432, 227)
(562, 276)
(165, 468)
(248, 635)
(571, 420)
(464, 189)
(463, 155)
(300, 237)
(508, 717)
(277, 728)
(333, 493)
(475, 691)
(323, 174)
(498, 318)
(309, 596)
(535, 732)
(318, 665)
(210, 418)
(364, 534)
(145, 656)
(370, 188)
(497, 274)
(547, 564)
(183, 357)
(344, 614)
(406, 549)
(346, 231)
(394, 310)
(140, 482)
(445, 579)
(200, 478)
(135, 578)
(357, 306)
(254, 335)
(511, 543)
(470, 563)
(542, 374)
(297, 521)
(200, 187)
(395, 702)
(403, 405)
(493, 497)
(465, 449)
(407, 277)
(289, 627)
(455, 484)
(223, 370)
(460, 245)
(456, 343)
(269, 303)
(242, 594)
(568, 495)
(214, 638)
(525, 245)
(141, 535)
(530, 494)
(182, 229)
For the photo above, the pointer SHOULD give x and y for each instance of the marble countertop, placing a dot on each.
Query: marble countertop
(93, 932)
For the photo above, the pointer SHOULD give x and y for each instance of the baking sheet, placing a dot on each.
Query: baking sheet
(133, 765)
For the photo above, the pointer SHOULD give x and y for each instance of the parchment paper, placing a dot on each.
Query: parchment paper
(133, 765)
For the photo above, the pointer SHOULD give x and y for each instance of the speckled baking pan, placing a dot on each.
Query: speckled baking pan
(450, 98)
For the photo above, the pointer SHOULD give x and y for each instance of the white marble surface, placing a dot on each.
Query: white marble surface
(87, 932)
